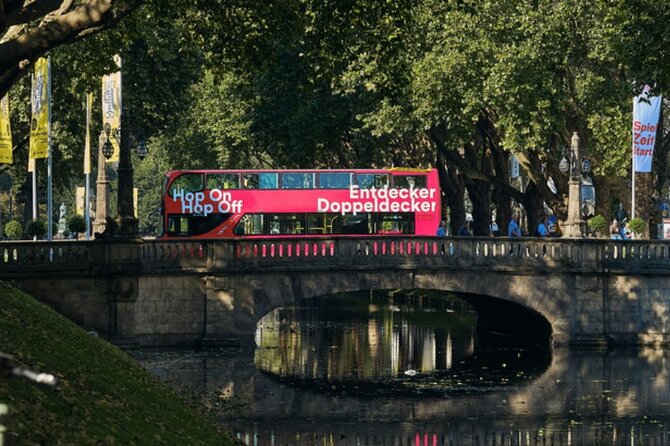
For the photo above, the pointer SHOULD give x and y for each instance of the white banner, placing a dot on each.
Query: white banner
(111, 105)
(646, 110)
(514, 169)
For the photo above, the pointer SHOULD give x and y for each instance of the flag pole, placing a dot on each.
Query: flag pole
(87, 167)
(632, 200)
(49, 159)
(32, 164)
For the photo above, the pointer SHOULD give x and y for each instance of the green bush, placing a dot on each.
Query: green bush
(597, 224)
(36, 228)
(14, 230)
(76, 223)
(637, 225)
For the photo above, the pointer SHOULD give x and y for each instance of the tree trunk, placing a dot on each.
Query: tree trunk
(480, 195)
(534, 205)
(453, 193)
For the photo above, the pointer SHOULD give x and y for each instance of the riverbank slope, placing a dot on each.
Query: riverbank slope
(102, 396)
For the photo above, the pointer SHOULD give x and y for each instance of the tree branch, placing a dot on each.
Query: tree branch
(92, 16)
(471, 172)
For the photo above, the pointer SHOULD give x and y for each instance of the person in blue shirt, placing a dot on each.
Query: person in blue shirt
(542, 228)
(513, 226)
(442, 229)
(464, 230)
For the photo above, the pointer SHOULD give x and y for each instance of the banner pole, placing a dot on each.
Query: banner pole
(35, 191)
(632, 200)
(87, 167)
(86, 206)
(49, 159)
(32, 162)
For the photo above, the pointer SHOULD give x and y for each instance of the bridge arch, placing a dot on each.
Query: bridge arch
(523, 307)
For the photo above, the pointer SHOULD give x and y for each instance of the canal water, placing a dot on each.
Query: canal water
(380, 368)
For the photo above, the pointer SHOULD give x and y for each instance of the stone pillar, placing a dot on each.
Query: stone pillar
(102, 190)
(574, 226)
(125, 223)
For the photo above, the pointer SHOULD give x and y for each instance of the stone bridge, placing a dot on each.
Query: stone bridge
(150, 292)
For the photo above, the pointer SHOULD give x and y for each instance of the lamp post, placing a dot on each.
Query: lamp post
(574, 225)
(124, 224)
(102, 188)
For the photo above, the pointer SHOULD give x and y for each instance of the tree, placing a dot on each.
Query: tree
(36, 228)
(13, 230)
(76, 223)
(58, 22)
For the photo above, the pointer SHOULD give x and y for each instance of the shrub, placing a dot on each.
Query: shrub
(36, 228)
(597, 224)
(76, 223)
(14, 230)
(637, 225)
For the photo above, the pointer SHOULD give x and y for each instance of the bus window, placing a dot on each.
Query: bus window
(409, 181)
(223, 181)
(286, 224)
(395, 224)
(321, 224)
(250, 224)
(355, 224)
(250, 181)
(189, 182)
(292, 180)
(334, 180)
(370, 180)
(190, 224)
(178, 225)
(259, 181)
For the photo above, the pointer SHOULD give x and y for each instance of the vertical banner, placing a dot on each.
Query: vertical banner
(111, 105)
(87, 142)
(514, 167)
(39, 122)
(646, 111)
(80, 200)
(5, 132)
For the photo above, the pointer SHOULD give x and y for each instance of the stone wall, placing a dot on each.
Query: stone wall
(214, 292)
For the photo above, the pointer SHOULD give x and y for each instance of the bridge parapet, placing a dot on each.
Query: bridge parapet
(156, 256)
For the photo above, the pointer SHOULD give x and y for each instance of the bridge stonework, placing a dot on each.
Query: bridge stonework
(150, 292)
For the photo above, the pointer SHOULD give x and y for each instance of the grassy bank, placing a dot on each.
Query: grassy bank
(103, 397)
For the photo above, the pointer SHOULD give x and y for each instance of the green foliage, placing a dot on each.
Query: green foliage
(637, 225)
(103, 397)
(76, 223)
(14, 230)
(597, 224)
(215, 84)
(36, 228)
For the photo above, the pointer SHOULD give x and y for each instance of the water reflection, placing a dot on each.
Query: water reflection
(587, 397)
(365, 336)
(387, 342)
(317, 395)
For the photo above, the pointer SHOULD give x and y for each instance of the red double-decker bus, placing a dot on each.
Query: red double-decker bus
(264, 203)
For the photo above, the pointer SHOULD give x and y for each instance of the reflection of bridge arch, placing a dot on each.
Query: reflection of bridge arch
(519, 315)
(158, 292)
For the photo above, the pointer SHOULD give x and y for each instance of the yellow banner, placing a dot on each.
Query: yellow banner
(5, 132)
(87, 142)
(39, 123)
(111, 106)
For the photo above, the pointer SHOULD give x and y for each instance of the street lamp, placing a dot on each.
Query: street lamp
(125, 223)
(570, 164)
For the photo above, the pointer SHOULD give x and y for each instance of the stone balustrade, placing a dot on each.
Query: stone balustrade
(80, 257)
